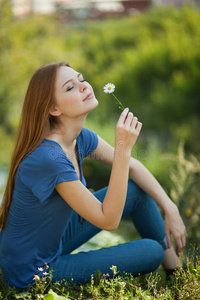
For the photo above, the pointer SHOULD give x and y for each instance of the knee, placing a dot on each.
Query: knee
(147, 256)
(157, 254)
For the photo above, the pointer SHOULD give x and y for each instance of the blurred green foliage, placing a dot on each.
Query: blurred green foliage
(185, 192)
(153, 59)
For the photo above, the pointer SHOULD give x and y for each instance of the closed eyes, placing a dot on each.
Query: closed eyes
(70, 88)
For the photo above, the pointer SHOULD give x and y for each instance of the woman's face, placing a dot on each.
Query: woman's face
(74, 96)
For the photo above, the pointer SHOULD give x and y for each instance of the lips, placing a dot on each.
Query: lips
(89, 96)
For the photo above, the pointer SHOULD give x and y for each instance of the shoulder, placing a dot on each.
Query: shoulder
(87, 134)
(88, 137)
(87, 141)
(47, 155)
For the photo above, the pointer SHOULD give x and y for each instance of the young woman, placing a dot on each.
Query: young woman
(46, 194)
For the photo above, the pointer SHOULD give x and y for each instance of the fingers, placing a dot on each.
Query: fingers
(174, 227)
(127, 130)
(129, 120)
(168, 237)
(179, 248)
(138, 126)
(181, 242)
(176, 230)
(133, 123)
(123, 116)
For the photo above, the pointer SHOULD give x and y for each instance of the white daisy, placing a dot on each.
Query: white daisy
(36, 277)
(45, 273)
(40, 269)
(109, 88)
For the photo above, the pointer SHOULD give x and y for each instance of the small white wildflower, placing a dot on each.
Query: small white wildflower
(45, 273)
(36, 277)
(109, 88)
(40, 269)
(122, 284)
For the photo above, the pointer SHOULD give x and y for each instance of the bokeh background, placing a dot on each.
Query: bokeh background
(150, 50)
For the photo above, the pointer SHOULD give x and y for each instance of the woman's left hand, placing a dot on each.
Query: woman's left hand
(175, 227)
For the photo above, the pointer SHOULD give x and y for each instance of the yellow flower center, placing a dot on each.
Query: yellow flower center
(109, 88)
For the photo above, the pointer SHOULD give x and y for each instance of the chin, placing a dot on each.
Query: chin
(93, 105)
(97, 102)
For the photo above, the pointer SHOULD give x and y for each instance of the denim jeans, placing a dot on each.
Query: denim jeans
(137, 257)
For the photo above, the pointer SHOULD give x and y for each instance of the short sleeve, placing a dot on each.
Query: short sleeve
(87, 141)
(47, 166)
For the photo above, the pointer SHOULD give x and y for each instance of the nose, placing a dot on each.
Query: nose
(83, 86)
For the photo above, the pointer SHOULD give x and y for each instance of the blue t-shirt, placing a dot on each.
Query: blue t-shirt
(38, 215)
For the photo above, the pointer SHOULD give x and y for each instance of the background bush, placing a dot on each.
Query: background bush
(185, 192)
(153, 59)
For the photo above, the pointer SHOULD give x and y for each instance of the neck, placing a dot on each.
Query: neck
(66, 132)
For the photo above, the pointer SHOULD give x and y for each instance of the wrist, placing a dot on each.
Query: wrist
(122, 153)
(170, 207)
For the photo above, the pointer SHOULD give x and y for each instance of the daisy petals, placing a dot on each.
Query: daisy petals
(109, 88)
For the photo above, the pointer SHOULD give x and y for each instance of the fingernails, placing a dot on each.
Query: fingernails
(169, 245)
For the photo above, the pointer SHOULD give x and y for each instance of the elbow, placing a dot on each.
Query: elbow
(109, 222)
(111, 227)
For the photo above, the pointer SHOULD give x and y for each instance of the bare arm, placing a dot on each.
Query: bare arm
(145, 180)
(173, 223)
(106, 215)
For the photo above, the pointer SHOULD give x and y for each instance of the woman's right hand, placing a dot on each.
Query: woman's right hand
(127, 131)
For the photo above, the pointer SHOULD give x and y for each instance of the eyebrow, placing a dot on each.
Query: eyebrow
(79, 74)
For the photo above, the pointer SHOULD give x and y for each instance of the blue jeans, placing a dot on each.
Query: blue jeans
(139, 256)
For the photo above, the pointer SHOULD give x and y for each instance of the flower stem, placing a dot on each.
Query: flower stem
(120, 104)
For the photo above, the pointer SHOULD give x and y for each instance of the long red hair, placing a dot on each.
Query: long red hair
(34, 124)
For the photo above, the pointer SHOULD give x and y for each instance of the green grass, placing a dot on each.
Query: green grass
(183, 285)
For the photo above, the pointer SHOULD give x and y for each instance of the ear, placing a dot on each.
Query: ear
(54, 112)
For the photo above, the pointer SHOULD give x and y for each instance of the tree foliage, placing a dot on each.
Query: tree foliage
(153, 59)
